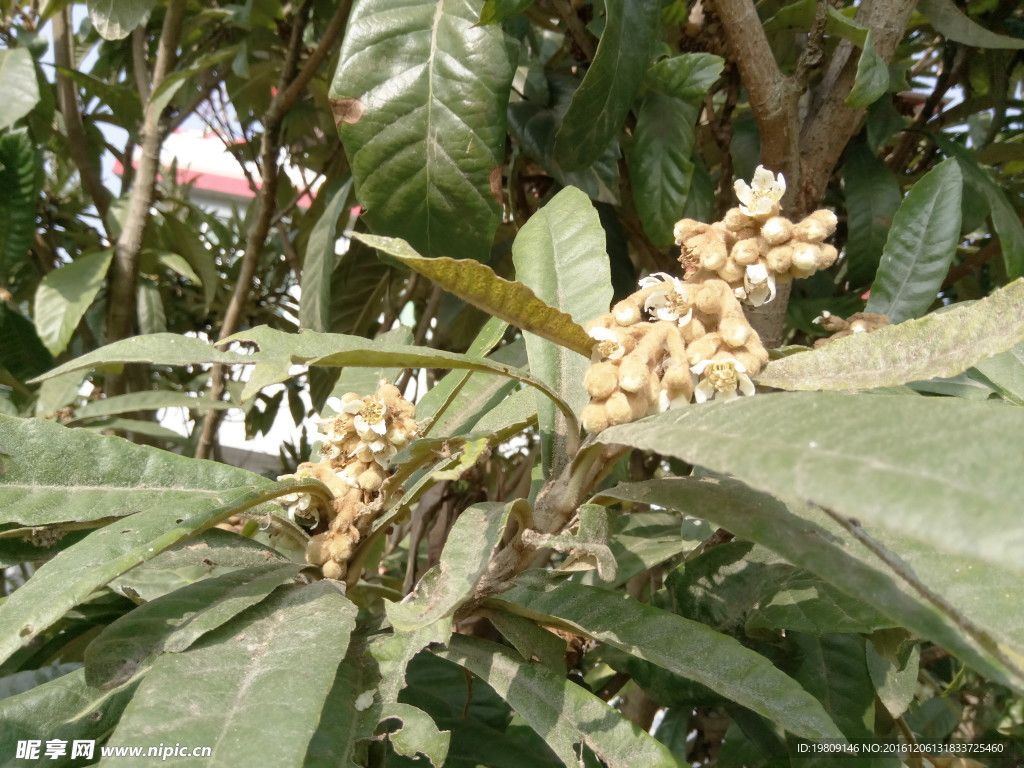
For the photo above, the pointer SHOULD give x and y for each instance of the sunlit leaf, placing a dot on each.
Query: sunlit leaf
(19, 89)
(115, 19)
(425, 91)
(941, 344)
(319, 263)
(872, 80)
(951, 22)
(921, 244)
(64, 294)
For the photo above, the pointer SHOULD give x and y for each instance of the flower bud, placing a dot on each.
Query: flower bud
(779, 259)
(805, 257)
(735, 220)
(334, 571)
(340, 548)
(618, 409)
(731, 271)
(713, 254)
(600, 380)
(827, 256)
(777, 230)
(593, 418)
(633, 374)
(684, 229)
(626, 313)
(371, 479)
(816, 227)
(746, 251)
(734, 330)
(316, 551)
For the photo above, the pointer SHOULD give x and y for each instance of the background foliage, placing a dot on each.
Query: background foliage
(842, 560)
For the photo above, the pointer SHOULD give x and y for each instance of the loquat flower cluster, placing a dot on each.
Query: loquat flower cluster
(681, 339)
(359, 441)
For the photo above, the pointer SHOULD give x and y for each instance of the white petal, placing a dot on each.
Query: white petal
(664, 313)
(654, 279)
(353, 406)
(703, 392)
(699, 367)
(335, 404)
(685, 318)
(380, 427)
(602, 334)
(743, 192)
(746, 385)
(664, 403)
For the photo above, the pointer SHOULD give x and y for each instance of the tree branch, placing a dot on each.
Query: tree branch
(124, 273)
(67, 100)
(290, 88)
(830, 127)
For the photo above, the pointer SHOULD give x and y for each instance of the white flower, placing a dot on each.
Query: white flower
(383, 452)
(759, 284)
(370, 415)
(723, 379)
(608, 346)
(761, 198)
(665, 401)
(669, 302)
(299, 504)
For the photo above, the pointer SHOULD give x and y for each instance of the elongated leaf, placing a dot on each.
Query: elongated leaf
(19, 89)
(464, 560)
(279, 350)
(173, 622)
(424, 93)
(872, 197)
(19, 177)
(1005, 219)
(186, 242)
(600, 105)
(476, 283)
(685, 647)
(868, 457)
(335, 742)
(921, 244)
(534, 126)
(22, 354)
(560, 254)
(146, 401)
(243, 675)
(951, 22)
(815, 543)
(834, 669)
(66, 708)
(103, 555)
(872, 80)
(115, 19)
(160, 348)
(19, 682)
(941, 344)
(799, 16)
(418, 734)
(1004, 373)
(661, 168)
(495, 11)
(64, 295)
(319, 262)
(560, 711)
(99, 476)
(152, 318)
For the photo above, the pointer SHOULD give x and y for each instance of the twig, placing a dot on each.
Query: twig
(576, 29)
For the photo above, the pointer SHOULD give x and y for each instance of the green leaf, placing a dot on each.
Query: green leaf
(1005, 220)
(115, 19)
(160, 348)
(799, 16)
(872, 197)
(65, 294)
(150, 308)
(180, 266)
(418, 734)
(466, 555)
(941, 344)
(872, 81)
(19, 89)
(476, 283)
(99, 476)
(245, 675)
(921, 244)
(105, 554)
(661, 168)
(816, 543)
(66, 708)
(534, 125)
(685, 647)
(865, 456)
(146, 401)
(335, 742)
(560, 254)
(496, 11)
(173, 622)
(894, 660)
(835, 671)
(22, 354)
(560, 711)
(186, 241)
(319, 262)
(1004, 373)
(19, 682)
(19, 177)
(950, 22)
(600, 105)
(424, 93)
